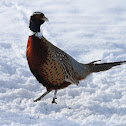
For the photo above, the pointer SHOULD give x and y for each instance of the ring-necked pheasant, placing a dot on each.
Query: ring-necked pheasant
(51, 66)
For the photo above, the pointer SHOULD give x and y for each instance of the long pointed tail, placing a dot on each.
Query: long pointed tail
(94, 67)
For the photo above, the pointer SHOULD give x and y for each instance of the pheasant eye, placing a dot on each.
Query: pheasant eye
(42, 15)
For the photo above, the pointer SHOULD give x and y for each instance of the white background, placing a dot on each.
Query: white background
(88, 30)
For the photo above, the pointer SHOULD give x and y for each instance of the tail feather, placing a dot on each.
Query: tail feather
(94, 67)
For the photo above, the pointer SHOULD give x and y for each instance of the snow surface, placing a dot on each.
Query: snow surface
(86, 29)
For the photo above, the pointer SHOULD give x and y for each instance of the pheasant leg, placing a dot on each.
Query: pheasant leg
(54, 97)
(39, 98)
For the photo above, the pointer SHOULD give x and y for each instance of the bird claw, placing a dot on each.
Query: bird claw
(35, 100)
(53, 101)
(38, 99)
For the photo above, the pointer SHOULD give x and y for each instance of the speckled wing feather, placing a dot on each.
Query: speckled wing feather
(58, 67)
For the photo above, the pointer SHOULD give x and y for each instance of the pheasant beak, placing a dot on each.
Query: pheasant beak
(44, 18)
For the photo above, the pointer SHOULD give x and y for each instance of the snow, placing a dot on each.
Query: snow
(87, 30)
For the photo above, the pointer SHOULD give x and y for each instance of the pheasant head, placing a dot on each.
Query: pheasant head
(36, 20)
